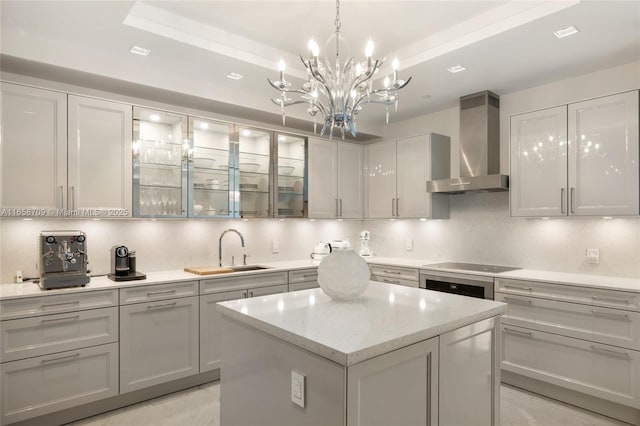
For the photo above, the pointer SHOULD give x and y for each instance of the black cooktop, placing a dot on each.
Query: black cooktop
(494, 269)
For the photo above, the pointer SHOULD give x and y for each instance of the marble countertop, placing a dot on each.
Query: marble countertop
(386, 317)
(29, 289)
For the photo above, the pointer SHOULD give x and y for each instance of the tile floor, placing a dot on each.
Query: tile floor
(518, 408)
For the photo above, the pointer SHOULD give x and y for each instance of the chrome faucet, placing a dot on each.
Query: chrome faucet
(220, 244)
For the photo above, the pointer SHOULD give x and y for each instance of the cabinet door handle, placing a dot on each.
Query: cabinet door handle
(163, 305)
(393, 207)
(61, 358)
(526, 333)
(623, 355)
(53, 305)
(518, 288)
(72, 194)
(340, 207)
(392, 272)
(337, 208)
(61, 197)
(154, 293)
(60, 319)
(245, 294)
(517, 301)
(310, 276)
(562, 208)
(609, 299)
(397, 207)
(609, 314)
(250, 294)
(573, 196)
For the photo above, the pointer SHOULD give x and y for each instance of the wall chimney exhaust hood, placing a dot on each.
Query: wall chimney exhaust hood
(479, 148)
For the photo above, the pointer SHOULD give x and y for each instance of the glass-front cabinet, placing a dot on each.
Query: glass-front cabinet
(159, 164)
(291, 176)
(203, 168)
(211, 169)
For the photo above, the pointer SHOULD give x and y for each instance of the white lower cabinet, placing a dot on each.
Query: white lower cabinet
(35, 386)
(303, 279)
(595, 369)
(159, 342)
(395, 275)
(407, 378)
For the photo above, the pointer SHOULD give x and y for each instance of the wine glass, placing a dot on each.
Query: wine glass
(165, 198)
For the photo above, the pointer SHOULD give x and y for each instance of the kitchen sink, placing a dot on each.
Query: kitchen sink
(244, 268)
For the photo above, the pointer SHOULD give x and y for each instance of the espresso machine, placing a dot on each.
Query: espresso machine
(63, 259)
(123, 265)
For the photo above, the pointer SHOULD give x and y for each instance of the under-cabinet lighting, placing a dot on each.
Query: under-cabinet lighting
(544, 218)
(140, 50)
(565, 32)
(204, 126)
(339, 220)
(282, 138)
(27, 218)
(423, 219)
(456, 68)
(154, 117)
(235, 76)
(312, 220)
(607, 217)
(246, 132)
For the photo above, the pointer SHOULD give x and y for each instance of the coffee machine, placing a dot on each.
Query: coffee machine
(123, 265)
(63, 259)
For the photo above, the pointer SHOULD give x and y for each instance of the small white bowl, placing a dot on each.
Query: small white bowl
(285, 170)
(249, 167)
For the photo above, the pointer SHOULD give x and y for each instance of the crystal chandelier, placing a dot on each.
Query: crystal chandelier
(338, 91)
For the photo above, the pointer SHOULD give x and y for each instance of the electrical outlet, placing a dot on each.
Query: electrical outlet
(408, 245)
(275, 246)
(297, 388)
(593, 256)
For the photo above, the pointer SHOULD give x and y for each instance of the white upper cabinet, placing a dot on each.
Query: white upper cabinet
(539, 163)
(577, 160)
(99, 154)
(335, 179)
(603, 156)
(34, 148)
(397, 175)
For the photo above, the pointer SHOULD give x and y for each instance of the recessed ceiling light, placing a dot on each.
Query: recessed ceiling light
(139, 50)
(234, 76)
(203, 125)
(154, 117)
(456, 68)
(565, 32)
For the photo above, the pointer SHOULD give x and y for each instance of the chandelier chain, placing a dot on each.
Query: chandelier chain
(338, 27)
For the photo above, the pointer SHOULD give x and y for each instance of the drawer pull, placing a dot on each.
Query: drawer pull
(61, 358)
(154, 293)
(386, 280)
(609, 299)
(623, 355)
(310, 276)
(55, 305)
(164, 305)
(526, 333)
(517, 301)
(518, 288)
(609, 314)
(250, 294)
(60, 319)
(392, 272)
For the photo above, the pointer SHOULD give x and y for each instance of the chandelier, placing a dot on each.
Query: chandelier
(338, 91)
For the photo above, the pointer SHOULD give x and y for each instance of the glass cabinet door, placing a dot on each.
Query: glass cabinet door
(211, 169)
(291, 176)
(254, 166)
(159, 164)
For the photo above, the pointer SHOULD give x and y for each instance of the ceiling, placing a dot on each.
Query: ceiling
(505, 45)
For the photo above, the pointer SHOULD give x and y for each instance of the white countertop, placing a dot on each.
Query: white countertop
(30, 289)
(386, 317)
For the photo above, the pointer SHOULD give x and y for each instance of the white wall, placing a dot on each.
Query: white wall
(171, 244)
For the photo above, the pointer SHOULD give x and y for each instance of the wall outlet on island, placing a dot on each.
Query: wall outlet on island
(593, 256)
(275, 246)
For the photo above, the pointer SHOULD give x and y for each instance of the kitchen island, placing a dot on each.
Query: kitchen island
(396, 355)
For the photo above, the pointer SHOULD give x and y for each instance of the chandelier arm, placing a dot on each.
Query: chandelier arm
(401, 86)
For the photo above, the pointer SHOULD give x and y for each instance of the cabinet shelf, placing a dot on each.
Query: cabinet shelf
(160, 187)
(161, 166)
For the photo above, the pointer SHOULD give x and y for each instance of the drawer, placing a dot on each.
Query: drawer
(150, 293)
(36, 386)
(226, 283)
(263, 291)
(30, 337)
(303, 275)
(410, 274)
(303, 286)
(590, 296)
(399, 281)
(594, 323)
(43, 305)
(602, 371)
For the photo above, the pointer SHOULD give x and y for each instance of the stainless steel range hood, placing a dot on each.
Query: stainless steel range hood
(479, 148)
